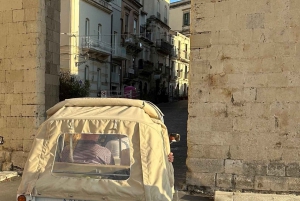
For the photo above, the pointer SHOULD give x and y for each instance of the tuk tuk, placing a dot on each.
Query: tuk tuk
(133, 146)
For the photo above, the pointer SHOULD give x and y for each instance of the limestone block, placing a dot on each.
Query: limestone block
(207, 10)
(267, 49)
(222, 124)
(200, 179)
(217, 80)
(34, 98)
(198, 123)
(29, 133)
(250, 51)
(19, 158)
(292, 170)
(234, 66)
(271, 183)
(293, 184)
(233, 166)
(16, 145)
(33, 27)
(30, 122)
(31, 39)
(5, 110)
(201, 40)
(244, 182)
(4, 32)
(224, 181)
(33, 4)
(208, 151)
(28, 51)
(203, 108)
(261, 110)
(276, 169)
(2, 122)
(6, 87)
(205, 165)
(27, 110)
(27, 144)
(14, 76)
(2, 75)
(235, 80)
(7, 166)
(16, 28)
(13, 133)
(13, 99)
(222, 95)
(7, 16)
(32, 14)
(11, 5)
(18, 15)
(256, 80)
(286, 49)
(268, 65)
(293, 79)
(34, 74)
(255, 21)
(231, 52)
(223, 196)
(241, 124)
(266, 94)
(29, 87)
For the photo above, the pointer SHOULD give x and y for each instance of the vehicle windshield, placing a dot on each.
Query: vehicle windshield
(103, 156)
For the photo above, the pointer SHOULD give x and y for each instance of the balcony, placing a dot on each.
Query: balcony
(184, 55)
(96, 46)
(145, 67)
(164, 47)
(145, 35)
(133, 45)
(119, 53)
(101, 4)
(115, 77)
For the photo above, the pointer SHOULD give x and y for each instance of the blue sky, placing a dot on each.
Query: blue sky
(173, 1)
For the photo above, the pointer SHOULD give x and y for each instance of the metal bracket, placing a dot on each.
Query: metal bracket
(1, 140)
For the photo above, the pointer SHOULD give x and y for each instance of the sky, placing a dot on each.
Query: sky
(173, 1)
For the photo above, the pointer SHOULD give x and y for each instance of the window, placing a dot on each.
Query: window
(134, 26)
(158, 33)
(87, 27)
(126, 22)
(186, 19)
(99, 32)
(102, 156)
(158, 9)
(98, 79)
(86, 73)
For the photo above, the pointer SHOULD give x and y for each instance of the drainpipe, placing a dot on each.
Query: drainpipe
(111, 51)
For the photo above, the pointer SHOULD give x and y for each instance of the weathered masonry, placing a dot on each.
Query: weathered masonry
(244, 119)
(29, 66)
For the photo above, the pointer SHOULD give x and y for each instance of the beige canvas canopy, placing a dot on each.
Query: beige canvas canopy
(151, 174)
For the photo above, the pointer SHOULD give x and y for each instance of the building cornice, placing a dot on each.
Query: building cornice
(179, 4)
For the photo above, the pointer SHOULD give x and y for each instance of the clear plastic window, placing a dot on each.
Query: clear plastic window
(104, 156)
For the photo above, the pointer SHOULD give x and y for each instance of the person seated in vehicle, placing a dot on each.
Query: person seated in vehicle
(114, 145)
(87, 150)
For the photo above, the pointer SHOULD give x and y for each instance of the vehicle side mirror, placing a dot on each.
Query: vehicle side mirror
(1, 140)
(174, 137)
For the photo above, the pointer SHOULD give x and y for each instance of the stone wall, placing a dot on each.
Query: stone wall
(29, 62)
(243, 127)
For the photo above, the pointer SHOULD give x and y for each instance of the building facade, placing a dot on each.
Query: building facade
(179, 66)
(180, 13)
(86, 43)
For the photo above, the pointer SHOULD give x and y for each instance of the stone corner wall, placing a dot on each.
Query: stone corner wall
(29, 60)
(243, 126)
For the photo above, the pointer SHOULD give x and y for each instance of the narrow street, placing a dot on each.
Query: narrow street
(176, 116)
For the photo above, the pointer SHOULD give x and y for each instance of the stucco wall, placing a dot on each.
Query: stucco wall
(29, 38)
(243, 127)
